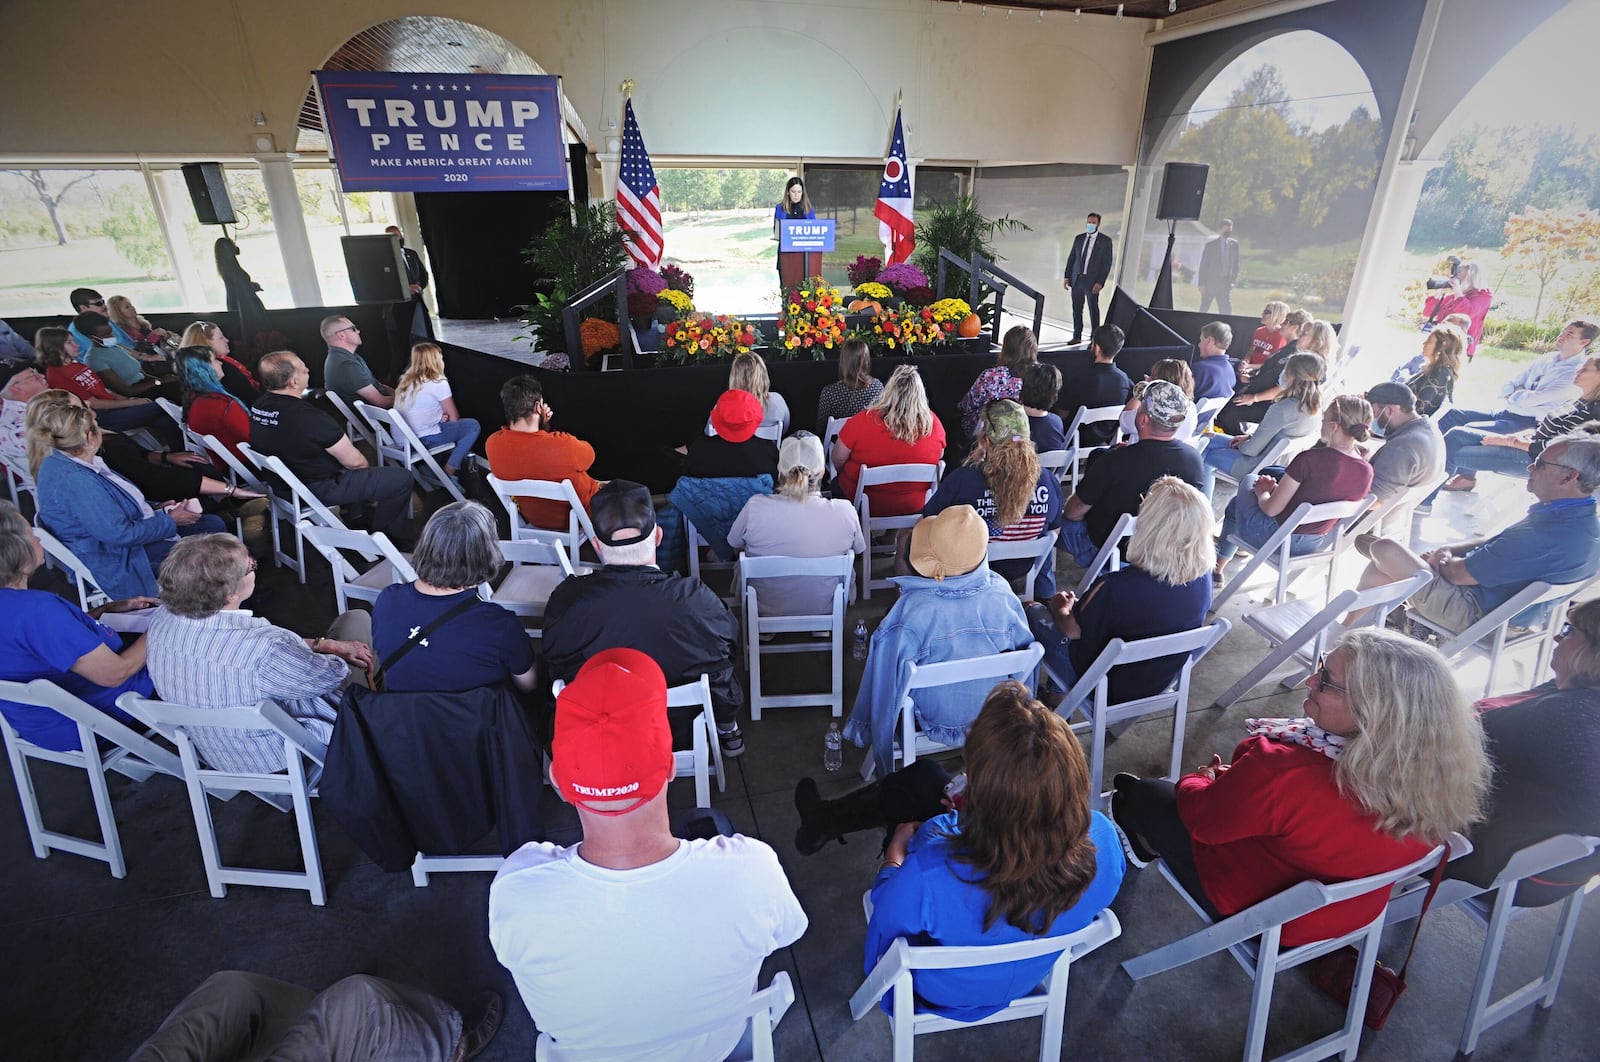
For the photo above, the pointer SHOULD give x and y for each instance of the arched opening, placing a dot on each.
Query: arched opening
(1290, 129)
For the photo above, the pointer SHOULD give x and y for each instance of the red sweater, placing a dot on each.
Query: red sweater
(1276, 818)
(222, 416)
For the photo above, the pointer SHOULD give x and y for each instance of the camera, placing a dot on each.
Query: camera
(1435, 283)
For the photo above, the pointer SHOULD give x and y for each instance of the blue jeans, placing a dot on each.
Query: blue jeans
(1076, 541)
(1504, 422)
(1218, 456)
(1244, 518)
(463, 433)
(1466, 432)
(1056, 644)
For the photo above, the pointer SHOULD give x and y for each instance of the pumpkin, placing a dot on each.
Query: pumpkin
(871, 306)
(970, 326)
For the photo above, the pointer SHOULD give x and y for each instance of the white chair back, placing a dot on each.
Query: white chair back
(389, 565)
(292, 502)
(398, 443)
(1205, 414)
(1034, 550)
(537, 568)
(89, 593)
(881, 475)
(18, 479)
(1110, 556)
(1492, 636)
(994, 668)
(129, 753)
(838, 571)
(829, 437)
(357, 428)
(1078, 451)
(705, 754)
(1275, 551)
(762, 1012)
(578, 526)
(300, 747)
(1272, 455)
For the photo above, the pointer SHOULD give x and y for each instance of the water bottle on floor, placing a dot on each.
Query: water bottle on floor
(833, 748)
(858, 648)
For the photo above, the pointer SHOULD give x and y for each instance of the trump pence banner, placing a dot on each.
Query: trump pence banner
(394, 132)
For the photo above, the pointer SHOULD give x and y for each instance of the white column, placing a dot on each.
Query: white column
(610, 166)
(289, 221)
(169, 215)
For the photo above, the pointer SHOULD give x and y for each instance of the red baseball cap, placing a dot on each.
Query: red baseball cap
(736, 416)
(612, 742)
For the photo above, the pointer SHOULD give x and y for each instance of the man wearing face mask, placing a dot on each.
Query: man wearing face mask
(121, 367)
(1412, 455)
(1088, 269)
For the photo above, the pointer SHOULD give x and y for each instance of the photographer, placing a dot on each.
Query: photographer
(1464, 296)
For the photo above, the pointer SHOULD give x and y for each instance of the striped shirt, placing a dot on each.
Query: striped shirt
(1558, 424)
(232, 659)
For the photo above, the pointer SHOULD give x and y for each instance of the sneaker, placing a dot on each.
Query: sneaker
(731, 740)
(1136, 855)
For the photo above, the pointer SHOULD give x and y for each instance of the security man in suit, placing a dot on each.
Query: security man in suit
(414, 316)
(1088, 268)
(1219, 269)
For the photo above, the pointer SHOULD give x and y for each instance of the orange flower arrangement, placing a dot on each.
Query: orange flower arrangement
(813, 318)
(598, 337)
(904, 331)
(694, 336)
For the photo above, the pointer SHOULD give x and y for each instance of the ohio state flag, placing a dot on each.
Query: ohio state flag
(893, 209)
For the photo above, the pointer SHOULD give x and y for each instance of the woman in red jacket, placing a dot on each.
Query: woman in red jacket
(207, 408)
(1388, 760)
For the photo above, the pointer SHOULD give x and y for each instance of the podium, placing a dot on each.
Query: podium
(801, 244)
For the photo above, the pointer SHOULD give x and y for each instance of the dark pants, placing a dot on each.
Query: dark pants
(1236, 419)
(1083, 291)
(1147, 811)
(149, 416)
(1223, 297)
(386, 490)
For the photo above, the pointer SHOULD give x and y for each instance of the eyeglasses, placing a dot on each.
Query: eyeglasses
(96, 302)
(1324, 681)
(348, 328)
(1539, 462)
(251, 567)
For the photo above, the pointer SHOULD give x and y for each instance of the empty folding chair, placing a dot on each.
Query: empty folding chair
(537, 568)
(286, 790)
(872, 526)
(399, 445)
(385, 565)
(761, 1013)
(1492, 636)
(56, 552)
(1253, 938)
(1034, 550)
(705, 751)
(984, 671)
(1301, 636)
(578, 527)
(125, 751)
(1078, 452)
(1110, 556)
(1048, 1000)
(1090, 696)
(1275, 550)
(837, 571)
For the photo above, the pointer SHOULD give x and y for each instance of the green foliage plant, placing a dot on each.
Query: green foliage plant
(958, 225)
(573, 252)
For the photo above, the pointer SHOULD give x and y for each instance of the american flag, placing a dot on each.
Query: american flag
(893, 209)
(638, 198)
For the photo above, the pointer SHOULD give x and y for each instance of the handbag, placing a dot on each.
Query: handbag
(418, 637)
(1335, 974)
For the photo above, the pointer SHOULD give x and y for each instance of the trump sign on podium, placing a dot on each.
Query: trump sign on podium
(398, 132)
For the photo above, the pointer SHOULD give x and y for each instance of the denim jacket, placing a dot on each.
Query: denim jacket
(962, 617)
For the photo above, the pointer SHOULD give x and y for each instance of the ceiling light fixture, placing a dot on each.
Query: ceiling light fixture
(1119, 12)
(1008, 14)
(1077, 15)
(1172, 6)
(1041, 14)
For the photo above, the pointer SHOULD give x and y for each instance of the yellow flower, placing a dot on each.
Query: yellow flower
(794, 307)
(891, 344)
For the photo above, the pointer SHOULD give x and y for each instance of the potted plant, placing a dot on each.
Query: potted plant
(574, 252)
(957, 225)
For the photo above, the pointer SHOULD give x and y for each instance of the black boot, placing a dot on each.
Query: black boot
(908, 795)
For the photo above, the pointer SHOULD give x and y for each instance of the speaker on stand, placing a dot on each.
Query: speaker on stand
(1183, 190)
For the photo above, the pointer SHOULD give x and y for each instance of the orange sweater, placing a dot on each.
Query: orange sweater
(552, 455)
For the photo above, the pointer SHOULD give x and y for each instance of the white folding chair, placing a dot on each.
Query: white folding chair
(239, 474)
(1272, 455)
(705, 754)
(537, 568)
(916, 474)
(1078, 452)
(1496, 917)
(56, 552)
(840, 572)
(770, 431)
(1205, 414)
(388, 565)
(359, 429)
(1300, 636)
(286, 790)
(1253, 938)
(1055, 462)
(578, 526)
(1110, 556)
(694, 541)
(1019, 664)
(131, 754)
(1090, 696)
(193, 440)
(18, 479)
(396, 442)
(1034, 550)
(1492, 636)
(292, 502)
(761, 1012)
(1048, 1000)
(829, 437)
(1275, 550)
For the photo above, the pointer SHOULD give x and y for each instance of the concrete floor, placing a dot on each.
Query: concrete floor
(96, 963)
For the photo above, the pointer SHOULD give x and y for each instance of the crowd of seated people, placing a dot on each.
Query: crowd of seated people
(1388, 753)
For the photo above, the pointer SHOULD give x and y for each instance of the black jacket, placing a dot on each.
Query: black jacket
(433, 773)
(676, 621)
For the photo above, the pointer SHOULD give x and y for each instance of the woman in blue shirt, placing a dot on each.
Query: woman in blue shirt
(1024, 857)
(795, 204)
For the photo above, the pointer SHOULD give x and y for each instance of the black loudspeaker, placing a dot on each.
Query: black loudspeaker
(209, 190)
(377, 268)
(1183, 189)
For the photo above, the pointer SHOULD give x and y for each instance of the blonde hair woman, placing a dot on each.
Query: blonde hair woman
(237, 380)
(749, 373)
(1162, 589)
(797, 521)
(1386, 762)
(1002, 480)
(1292, 415)
(899, 429)
(424, 400)
(122, 312)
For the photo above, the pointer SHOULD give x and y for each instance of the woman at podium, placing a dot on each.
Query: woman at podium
(796, 205)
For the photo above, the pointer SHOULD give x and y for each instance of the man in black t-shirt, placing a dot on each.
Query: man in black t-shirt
(1107, 385)
(315, 448)
(1116, 480)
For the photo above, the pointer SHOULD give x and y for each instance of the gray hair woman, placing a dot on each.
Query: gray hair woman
(1386, 762)
(207, 651)
(457, 641)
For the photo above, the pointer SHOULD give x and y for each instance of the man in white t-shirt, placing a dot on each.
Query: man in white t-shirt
(632, 935)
